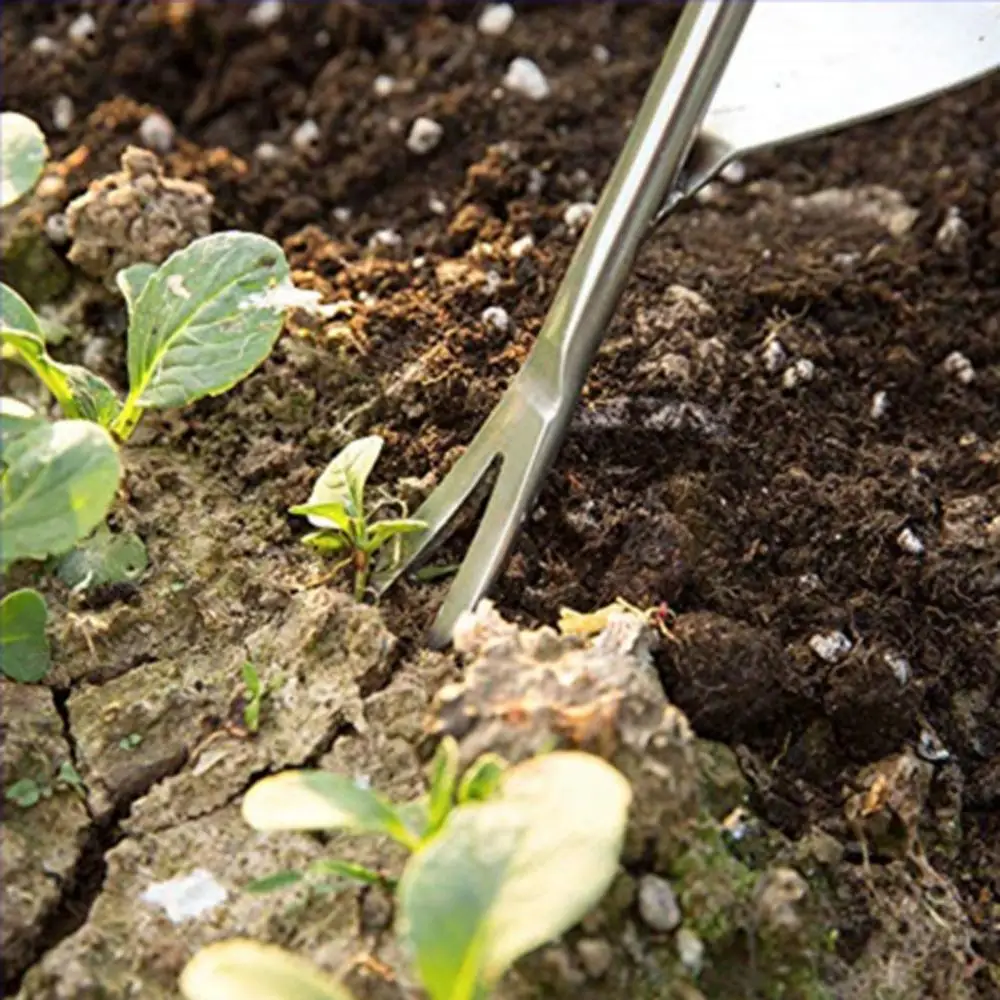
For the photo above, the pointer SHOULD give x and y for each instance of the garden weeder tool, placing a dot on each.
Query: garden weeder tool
(737, 76)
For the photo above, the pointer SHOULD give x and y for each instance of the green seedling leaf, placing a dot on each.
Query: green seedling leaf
(24, 793)
(332, 516)
(131, 281)
(252, 680)
(23, 153)
(327, 541)
(130, 742)
(68, 777)
(16, 418)
(250, 971)
(271, 883)
(443, 778)
(350, 871)
(104, 558)
(203, 322)
(343, 481)
(79, 392)
(320, 800)
(506, 876)
(382, 531)
(60, 482)
(255, 696)
(16, 314)
(481, 781)
(24, 646)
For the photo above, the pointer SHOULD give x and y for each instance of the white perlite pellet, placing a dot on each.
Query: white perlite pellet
(521, 246)
(830, 646)
(578, 215)
(497, 318)
(425, 134)
(266, 13)
(82, 28)
(734, 172)
(799, 373)
(385, 239)
(908, 541)
(57, 228)
(525, 78)
(436, 205)
(342, 214)
(959, 367)
(44, 46)
(157, 132)
(899, 665)
(306, 136)
(600, 54)
(774, 355)
(267, 153)
(63, 113)
(383, 85)
(880, 405)
(953, 234)
(495, 19)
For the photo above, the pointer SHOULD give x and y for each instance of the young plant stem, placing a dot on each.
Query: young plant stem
(125, 423)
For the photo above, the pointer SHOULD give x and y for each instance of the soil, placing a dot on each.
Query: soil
(830, 555)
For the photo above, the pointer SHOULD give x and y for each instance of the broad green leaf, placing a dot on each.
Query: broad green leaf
(203, 321)
(26, 792)
(246, 970)
(343, 481)
(16, 418)
(104, 558)
(443, 778)
(22, 156)
(506, 876)
(321, 800)
(24, 646)
(481, 781)
(326, 515)
(131, 281)
(382, 531)
(79, 392)
(16, 314)
(59, 484)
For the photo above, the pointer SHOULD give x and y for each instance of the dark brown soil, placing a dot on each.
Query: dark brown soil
(765, 515)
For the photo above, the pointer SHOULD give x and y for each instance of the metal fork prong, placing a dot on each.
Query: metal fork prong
(490, 548)
(439, 509)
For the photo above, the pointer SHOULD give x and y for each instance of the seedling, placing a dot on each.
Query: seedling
(503, 861)
(28, 792)
(337, 508)
(130, 742)
(254, 696)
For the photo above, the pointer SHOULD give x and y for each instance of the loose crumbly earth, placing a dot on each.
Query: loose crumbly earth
(775, 440)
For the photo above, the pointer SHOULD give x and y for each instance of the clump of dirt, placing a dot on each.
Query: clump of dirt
(135, 216)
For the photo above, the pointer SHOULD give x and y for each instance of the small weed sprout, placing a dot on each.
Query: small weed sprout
(255, 694)
(28, 792)
(503, 860)
(337, 508)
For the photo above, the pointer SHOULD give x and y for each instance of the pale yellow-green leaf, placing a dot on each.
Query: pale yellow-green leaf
(23, 153)
(246, 970)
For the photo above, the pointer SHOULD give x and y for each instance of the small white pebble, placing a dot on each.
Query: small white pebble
(953, 234)
(322, 38)
(899, 665)
(830, 646)
(774, 355)
(306, 136)
(42, 45)
(57, 229)
(63, 113)
(908, 541)
(959, 366)
(267, 153)
(383, 85)
(734, 172)
(708, 193)
(578, 215)
(690, 950)
(82, 28)
(536, 182)
(266, 13)
(525, 78)
(342, 214)
(425, 134)
(495, 19)
(600, 54)
(157, 132)
(492, 282)
(394, 125)
(880, 405)
(846, 261)
(436, 205)
(802, 371)
(521, 246)
(497, 318)
(386, 239)
(418, 262)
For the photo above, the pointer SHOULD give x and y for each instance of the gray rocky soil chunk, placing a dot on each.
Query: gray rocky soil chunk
(43, 841)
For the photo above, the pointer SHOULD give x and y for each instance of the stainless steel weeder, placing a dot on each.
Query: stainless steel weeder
(737, 76)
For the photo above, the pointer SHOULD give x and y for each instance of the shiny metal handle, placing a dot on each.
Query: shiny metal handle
(650, 163)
